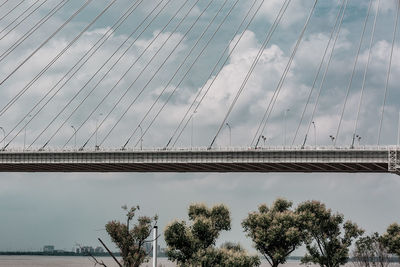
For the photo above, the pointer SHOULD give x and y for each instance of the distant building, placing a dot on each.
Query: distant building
(99, 250)
(48, 249)
(87, 250)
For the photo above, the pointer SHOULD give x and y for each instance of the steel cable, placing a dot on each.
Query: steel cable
(142, 71)
(91, 51)
(254, 64)
(216, 75)
(33, 29)
(389, 71)
(350, 83)
(324, 76)
(318, 71)
(176, 72)
(266, 41)
(29, 85)
(283, 78)
(95, 74)
(5, 2)
(46, 41)
(11, 10)
(115, 63)
(364, 80)
(22, 20)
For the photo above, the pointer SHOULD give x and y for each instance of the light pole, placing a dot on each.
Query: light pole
(155, 246)
(315, 134)
(25, 131)
(4, 137)
(332, 139)
(284, 136)
(358, 139)
(230, 134)
(72, 126)
(264, 139)
(191, 137)
(97, 122)
(141, 137)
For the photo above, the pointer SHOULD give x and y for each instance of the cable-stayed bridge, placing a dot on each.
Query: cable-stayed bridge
(83, 75)
(322, 159)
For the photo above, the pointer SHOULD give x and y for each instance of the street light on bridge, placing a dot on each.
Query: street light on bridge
(315, 134)
(230, 134)
(284, 136)
(4, 137)
(97, 122)
(72, 126)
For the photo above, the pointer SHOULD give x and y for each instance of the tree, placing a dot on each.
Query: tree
(391, 239)
(228, 254)
(325, 243)
(371, 251)
(194, 244)
(131, 238)
(274, 230)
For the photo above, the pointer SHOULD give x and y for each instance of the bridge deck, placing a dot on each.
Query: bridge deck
(368, 160)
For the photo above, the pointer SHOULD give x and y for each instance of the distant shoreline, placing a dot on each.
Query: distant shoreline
(62, 253)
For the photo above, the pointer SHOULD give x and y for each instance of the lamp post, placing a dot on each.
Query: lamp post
(25, 131)
(358, 139)
(141, 137)
(155, 246)
(332, 139)
(264, 139)
(192, 134)
(4, 137)
(230, 134)
(97, 122)
(315, 134)
(74, 136)
(284, 136)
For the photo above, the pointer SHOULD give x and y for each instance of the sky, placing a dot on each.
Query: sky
(69, 208)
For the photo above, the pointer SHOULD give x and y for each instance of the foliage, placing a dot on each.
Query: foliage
(131, 238)
(370, 251)
(274, 230)
(391, 239)
(194, 244)
(325, 243)
(228, 255)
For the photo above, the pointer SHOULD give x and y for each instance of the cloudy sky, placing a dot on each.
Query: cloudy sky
(112, 87)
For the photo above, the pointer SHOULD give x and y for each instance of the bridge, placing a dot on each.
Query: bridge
(263, 160)
(151, 59)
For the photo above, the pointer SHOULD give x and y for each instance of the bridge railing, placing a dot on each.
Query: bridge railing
(196, 149)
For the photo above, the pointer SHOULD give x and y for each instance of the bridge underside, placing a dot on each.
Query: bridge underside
(198, 167)
(381, 160)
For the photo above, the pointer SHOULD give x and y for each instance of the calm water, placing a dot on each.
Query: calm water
(46, 261)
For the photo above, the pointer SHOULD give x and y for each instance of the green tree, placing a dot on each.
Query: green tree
(370, 251)
(228, 254)
(391, 239)
(274, 230)
(131, 238)
(193, 244)
(325, 243)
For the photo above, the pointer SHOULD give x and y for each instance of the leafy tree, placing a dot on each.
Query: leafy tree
(131, 238)
(228, 255)
(325, 243)
(193, 244)
(370, 251)
(391, 239)
(275, 231)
